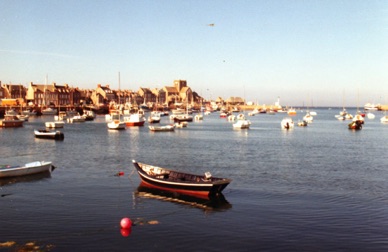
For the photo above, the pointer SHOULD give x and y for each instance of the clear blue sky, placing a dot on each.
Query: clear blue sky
(306, 52)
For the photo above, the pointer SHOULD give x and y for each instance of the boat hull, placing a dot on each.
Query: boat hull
(161, 128)
(11, 124)
(116, 125)
(196, 187)
(27, 169)
(53, 135)
(134, 124)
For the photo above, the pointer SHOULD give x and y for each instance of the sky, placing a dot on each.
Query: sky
(308, 53)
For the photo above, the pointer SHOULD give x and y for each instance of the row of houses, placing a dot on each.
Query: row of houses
(63, 95)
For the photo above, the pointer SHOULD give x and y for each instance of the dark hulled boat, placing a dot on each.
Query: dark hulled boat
(202, 186)
(49, 134)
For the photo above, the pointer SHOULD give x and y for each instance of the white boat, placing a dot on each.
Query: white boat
(308, 118)
(49, 134)
(113, 115)
(287, 123)
(358, 117)
(27, 169)
(154, 117)
(371, 106)
(11, 112)
(161, 128)
(49, 111)
(384, 119)
(56, 124)
(135, 119)
(231, 118)
(242, 124)
(89, 115)
(370, 115)
(29, 113)
(62, 115)
(23, 117)
(76, 118)
(116, 125)
(198, 117)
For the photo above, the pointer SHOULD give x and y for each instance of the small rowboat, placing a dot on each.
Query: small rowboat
(27, 169)
(161, 128)
(49, 134)
(202, 186)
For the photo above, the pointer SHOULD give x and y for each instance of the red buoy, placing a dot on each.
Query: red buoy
(126, 223)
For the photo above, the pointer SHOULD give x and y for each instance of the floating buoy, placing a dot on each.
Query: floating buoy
(119, 174)
(126, 223)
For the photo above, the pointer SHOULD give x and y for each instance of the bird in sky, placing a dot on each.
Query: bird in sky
(210, 25)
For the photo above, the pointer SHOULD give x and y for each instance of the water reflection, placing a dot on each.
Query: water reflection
(215, 203)
(27, 178)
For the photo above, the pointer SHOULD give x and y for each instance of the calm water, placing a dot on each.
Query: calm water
(319, 188)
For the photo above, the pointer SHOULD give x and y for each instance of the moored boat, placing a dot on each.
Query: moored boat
(384, 119)
(179, 182)
(49, 111)
(161, 128)
(11, 121)
(135, 119)
(27, 169)
(183, 118)
(49, 134)
(55, 124)
(287, 123)
(154, 117)
(356, 125)
(242, 124)
(302, 123)
(116, 125)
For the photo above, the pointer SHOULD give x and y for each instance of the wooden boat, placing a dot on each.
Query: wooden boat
(27, 169)
(162, 128)
(356, 125)
(116, 125)
(183, 118)
(201, 186)
(11, 121)
(49, 134)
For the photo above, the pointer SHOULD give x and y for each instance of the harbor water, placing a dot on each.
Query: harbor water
(317, 188)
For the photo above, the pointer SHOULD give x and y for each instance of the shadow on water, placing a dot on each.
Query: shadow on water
(214, 203)
(23, 179)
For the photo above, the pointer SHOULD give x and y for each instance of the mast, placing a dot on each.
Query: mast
(119, 88)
